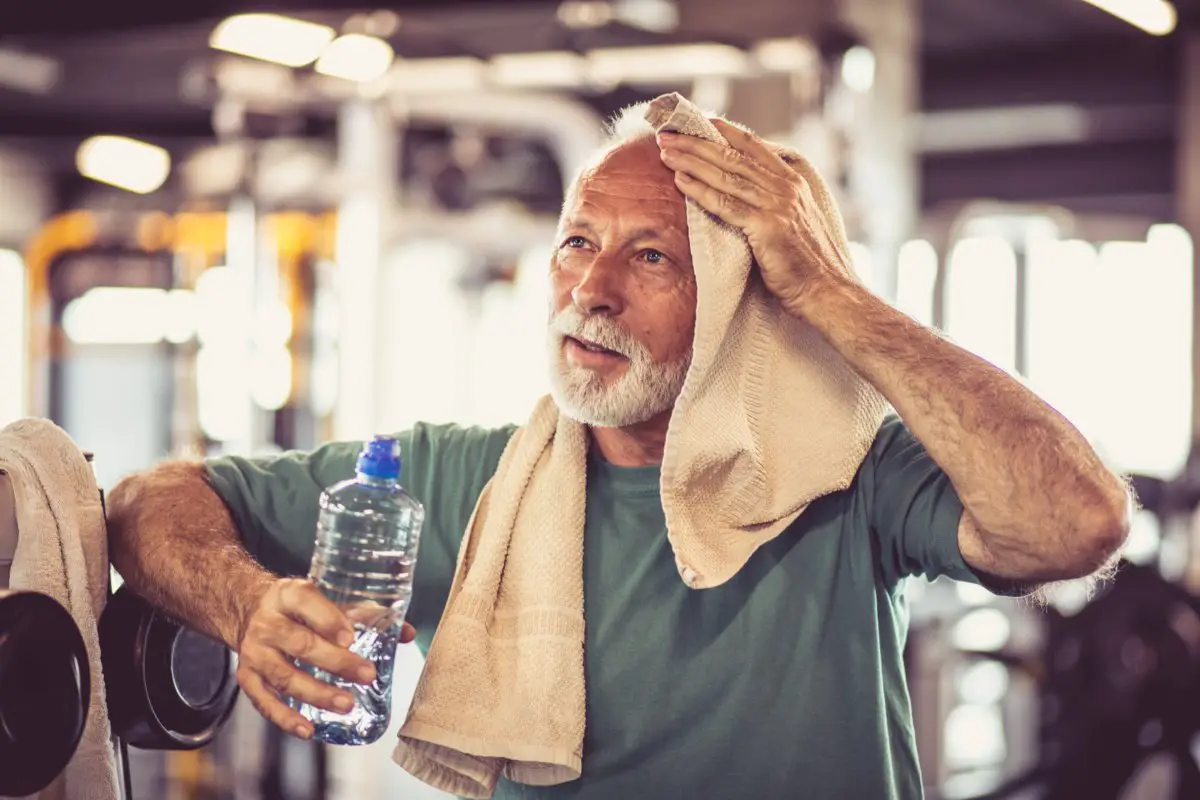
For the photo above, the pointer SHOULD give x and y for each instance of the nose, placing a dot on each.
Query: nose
(598, 290)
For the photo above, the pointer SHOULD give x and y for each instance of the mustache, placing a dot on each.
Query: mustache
(600, 330)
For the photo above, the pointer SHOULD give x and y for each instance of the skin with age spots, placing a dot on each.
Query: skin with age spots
(623, 261)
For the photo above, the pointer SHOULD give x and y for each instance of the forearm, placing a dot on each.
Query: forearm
(175, 543)
(1037, 494)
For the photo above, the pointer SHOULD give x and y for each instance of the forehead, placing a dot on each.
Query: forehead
(628, 183)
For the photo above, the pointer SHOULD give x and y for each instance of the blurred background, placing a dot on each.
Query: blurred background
(242, 227)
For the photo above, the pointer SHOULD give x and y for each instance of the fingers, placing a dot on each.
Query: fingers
(714, 176)
(756, 148)
(303, 601)
(729, 208)
(300, 642)
(267, 703)
(287, 680)
(295, 621)
(717, 160)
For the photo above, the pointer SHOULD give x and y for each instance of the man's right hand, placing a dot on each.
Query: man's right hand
(292, 620)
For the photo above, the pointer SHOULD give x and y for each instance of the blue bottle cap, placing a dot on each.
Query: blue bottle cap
(380, 458)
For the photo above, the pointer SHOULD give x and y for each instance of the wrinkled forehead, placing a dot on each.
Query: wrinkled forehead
(629, 175)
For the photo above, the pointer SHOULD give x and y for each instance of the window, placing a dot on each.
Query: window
(1110, 334)
(981, 299)
(916, 274)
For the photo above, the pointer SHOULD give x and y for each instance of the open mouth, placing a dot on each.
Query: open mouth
(591, 347)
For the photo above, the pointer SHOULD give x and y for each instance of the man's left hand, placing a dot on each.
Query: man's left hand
(748, 185)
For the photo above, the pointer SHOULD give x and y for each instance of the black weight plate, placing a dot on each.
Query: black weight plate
(45, 688)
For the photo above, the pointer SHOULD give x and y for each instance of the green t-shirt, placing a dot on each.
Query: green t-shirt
(785, 682)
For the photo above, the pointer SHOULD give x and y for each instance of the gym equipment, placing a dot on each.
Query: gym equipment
(45, 680)
(169, 687)
(1120, 683)
(44, 691)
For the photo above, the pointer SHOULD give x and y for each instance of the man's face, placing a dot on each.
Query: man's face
(623, 294)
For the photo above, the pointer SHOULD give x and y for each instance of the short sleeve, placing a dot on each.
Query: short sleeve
(913, 509)
(274, 500)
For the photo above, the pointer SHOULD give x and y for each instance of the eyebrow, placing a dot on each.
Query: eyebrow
(572, 222)
(649, 233)
(646, 232)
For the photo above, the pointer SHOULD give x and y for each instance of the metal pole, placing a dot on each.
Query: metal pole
(368, 153)
(242, 259)
(1021, 340)
(883, 175)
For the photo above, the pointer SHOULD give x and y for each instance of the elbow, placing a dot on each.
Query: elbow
(120, 507)
(123, 501)
(141, 493)
(1102, 529)
(154, 484)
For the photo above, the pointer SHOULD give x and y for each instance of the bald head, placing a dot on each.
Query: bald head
(633, 166)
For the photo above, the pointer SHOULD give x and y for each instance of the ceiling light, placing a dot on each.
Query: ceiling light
(583, 14)
(555, 68)
(125, 163)
(243, 79)
(660, 16)
(28, 72)
(1156, 17)
(383, 23)
(271, 37)
(665, 63)
(356, 57)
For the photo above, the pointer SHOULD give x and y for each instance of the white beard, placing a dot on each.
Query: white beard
(646, 389)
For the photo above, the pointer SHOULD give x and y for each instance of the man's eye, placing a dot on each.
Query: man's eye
(654, 257)
(575, 242)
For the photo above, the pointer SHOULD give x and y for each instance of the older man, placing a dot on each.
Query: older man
(785, 681)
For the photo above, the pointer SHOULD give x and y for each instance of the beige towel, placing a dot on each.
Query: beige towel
(769, 419)
(62, 551)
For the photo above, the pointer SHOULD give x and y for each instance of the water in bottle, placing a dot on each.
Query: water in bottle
(367, 534)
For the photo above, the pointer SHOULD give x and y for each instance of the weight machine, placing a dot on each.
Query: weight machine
(1119, 685)
(168, 687)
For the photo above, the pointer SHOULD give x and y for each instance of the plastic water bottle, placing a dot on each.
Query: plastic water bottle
(367, 535)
